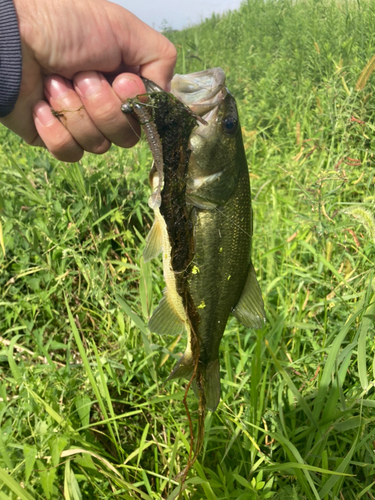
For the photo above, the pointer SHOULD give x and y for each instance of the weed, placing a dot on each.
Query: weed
(84, 410)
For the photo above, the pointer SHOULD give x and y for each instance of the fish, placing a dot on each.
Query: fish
(203, 227)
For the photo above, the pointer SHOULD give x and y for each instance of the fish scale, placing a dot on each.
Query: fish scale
(214, 201)
(222, 274)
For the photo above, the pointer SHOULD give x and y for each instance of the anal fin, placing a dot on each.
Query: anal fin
(184, 368)
(211, 378)
(249, 310)
(154, 242)
(165, 320)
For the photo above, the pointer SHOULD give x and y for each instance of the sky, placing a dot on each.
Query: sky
(176, 14)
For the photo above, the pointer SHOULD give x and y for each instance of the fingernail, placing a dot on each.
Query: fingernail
(58, 87)
(128, 86)
(43, 114)
(89, 84)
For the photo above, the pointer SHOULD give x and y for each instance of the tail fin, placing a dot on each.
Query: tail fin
(211, 379)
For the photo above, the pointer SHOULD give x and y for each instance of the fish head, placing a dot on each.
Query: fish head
(217, 152)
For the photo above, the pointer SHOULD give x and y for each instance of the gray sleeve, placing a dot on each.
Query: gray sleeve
(10, 57)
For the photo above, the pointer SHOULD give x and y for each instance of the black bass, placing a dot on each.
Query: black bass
(207, 259)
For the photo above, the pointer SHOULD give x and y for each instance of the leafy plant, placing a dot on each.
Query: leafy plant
(85, 410)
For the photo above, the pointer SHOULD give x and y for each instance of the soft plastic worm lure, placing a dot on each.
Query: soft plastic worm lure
(145, 119)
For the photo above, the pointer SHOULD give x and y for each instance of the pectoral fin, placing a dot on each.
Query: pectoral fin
(249, 310)
(165, 320)
(154, 242)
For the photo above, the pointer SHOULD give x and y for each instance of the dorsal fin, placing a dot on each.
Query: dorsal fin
(249, 310)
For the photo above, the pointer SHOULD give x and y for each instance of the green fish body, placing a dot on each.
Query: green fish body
(220, 278)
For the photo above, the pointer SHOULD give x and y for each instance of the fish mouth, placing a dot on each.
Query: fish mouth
(202, 92)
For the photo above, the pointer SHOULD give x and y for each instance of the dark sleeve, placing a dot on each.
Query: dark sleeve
(10, 57)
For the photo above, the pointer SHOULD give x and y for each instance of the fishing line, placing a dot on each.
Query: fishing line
(201, 410)
(131, 126)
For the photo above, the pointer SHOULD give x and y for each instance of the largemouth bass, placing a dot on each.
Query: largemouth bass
(207, 259)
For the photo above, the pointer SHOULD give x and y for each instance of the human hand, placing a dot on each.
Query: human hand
(67, 45)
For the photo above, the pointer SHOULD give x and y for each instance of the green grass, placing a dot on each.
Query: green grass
(84, 410)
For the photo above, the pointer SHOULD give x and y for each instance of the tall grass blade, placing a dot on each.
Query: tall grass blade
(333, 480)
(6, 479)
(2, 239)
(145, 288)
(144, 333)
(51, 412)
(366, 324)
(331, 359)
(16, 372)
(88, 369)
(27, 187)
(293, 388)
(107, 395)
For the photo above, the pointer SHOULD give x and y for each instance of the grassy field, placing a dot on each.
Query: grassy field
(84, 409)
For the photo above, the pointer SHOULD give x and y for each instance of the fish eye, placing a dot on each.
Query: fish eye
(127, 108)
(230, 125)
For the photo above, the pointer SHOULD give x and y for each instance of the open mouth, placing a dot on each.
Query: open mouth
(202, 91)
